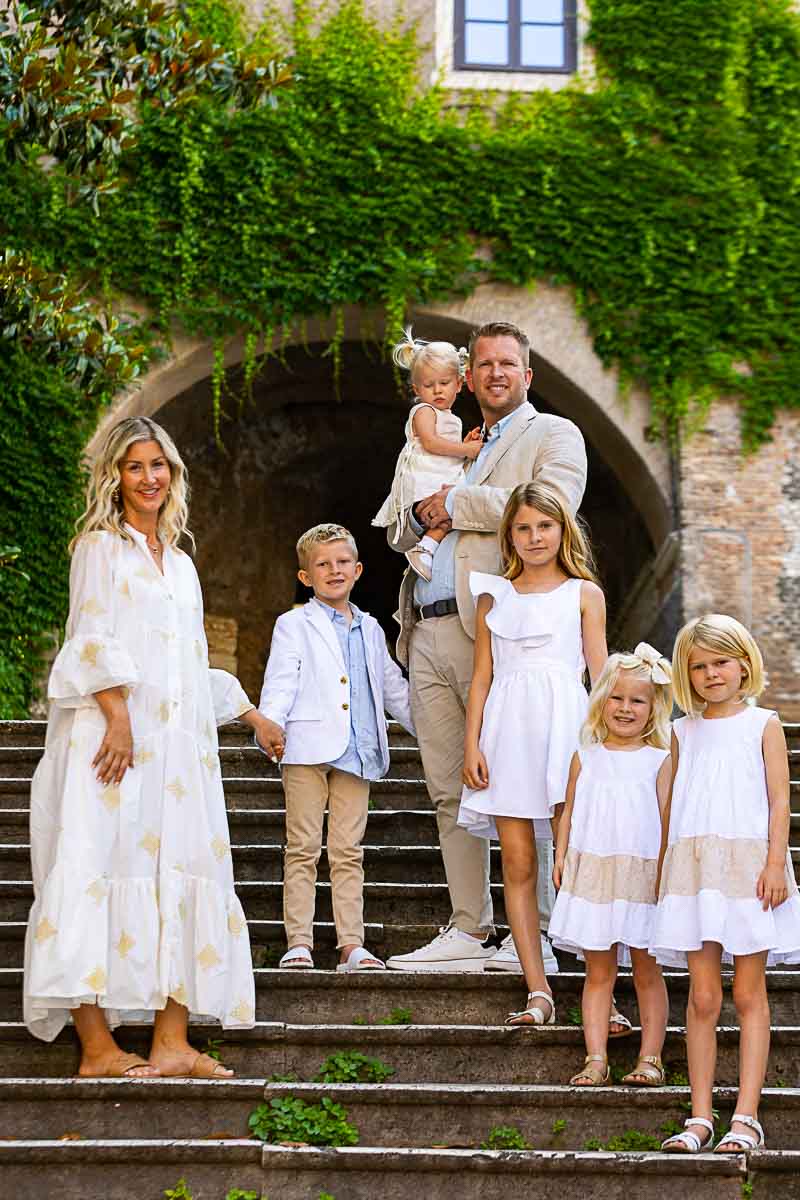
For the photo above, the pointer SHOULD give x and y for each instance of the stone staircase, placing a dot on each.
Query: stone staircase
(459, 1072)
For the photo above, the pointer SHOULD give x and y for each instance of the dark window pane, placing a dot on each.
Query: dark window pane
(542, 46)
(486, 44)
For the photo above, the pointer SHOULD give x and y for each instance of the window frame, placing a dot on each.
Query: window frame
(514, 22)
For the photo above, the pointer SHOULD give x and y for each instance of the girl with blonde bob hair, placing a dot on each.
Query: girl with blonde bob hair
(726, 636)
(575, 556)
(435, 452)
(606, 859)
(728, 892)
(134, 898)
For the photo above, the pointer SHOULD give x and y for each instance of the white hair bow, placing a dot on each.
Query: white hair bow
(651, 658)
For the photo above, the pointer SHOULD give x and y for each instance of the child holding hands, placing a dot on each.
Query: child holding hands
(538, 626)
(727, 886)
(606, 857)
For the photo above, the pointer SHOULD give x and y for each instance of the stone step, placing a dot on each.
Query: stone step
(327, 997)
(416, 1053)
(549, 1117)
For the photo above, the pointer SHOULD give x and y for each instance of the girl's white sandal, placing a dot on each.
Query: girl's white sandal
(360, 959)
(532, 1014)
(745, 1140)
(688, 1142)
(297, 958)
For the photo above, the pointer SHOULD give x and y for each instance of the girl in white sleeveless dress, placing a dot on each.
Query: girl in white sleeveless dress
(537, 628)
(606, 857)
(434, 453)
(727, 891)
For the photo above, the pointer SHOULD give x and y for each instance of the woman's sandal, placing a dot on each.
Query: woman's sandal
(595, 1076)
(650, 1068)
(688, 1142)
(618, 1018)
(533, 1014)
(121, 1066)
(744, 1142)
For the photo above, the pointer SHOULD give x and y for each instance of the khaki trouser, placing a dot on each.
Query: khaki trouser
(440, 671)
(309, 790)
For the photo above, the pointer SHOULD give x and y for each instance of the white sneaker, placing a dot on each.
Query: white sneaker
(507, 959)
(451, 951)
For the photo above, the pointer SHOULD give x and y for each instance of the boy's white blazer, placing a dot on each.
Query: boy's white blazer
(307, 689)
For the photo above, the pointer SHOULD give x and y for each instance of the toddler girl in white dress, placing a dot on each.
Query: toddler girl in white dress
(727, 886)
(538, 627)
(606, 857)
(434, 453)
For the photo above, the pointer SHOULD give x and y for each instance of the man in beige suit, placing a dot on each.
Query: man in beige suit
(437, 626)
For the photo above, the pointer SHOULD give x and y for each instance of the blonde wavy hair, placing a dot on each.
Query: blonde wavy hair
(644, 663)
(575, 556)
(103, 502)
(412, 353)
(724, 635)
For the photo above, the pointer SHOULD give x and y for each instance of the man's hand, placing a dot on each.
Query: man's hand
(431, 511)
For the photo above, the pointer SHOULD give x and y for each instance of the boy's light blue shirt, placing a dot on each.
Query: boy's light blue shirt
(442, 585)
(363, 754)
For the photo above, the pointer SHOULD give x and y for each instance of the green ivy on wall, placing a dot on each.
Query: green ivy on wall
(665, 195)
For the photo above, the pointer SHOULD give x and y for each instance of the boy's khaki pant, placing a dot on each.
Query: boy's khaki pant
(309, 790)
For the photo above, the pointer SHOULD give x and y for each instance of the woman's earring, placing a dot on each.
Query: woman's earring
(115, 496)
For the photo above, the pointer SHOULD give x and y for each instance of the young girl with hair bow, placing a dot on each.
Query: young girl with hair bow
(606, 858)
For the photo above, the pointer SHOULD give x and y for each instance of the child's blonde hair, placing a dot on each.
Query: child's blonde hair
(103, 498)
(413, 353)
(724, 635)
(644, 663)
(318, 536)
(575, 555)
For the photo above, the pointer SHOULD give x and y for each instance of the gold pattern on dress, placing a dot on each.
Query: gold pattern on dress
(163, 711)
(210, 760)
(125, 943)
(182, 909)
(219, 847)
(45, 930)
(177, 789)
(243, 1012)
(235, 924)
(97, 890)
(208, 957)
(92, 608)
(730, 866)
(179, 994)
(207, 731)
(111, 797)
(90, 652)
(602, 879)
(97, 979)
(143, 756)
(150, 843)
(125, 589)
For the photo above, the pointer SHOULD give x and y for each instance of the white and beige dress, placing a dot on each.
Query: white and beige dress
(717, 847)
(134, 897)
(608, 889)
(419, 473)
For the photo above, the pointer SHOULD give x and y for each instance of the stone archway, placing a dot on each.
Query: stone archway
(298, 454)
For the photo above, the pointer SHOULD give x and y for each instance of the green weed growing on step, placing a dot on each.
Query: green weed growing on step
(212, 1048)
(676, 1078)
(398, 1016)
(747, 1189)
(288, 1077)
(631, 1139)
(559, 1126)
(351, 1066)
(505, 1137)
(288, 1119)
(240, 1194)
(574, 1016)
(179, 1192)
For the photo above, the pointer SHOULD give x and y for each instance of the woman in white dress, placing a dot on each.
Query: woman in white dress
(537, 628)
(134, 909)
(609, 835)
(434, 452)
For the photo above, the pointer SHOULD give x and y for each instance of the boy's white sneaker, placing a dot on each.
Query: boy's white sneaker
(421, 561)
(450, 951)
(507, 959)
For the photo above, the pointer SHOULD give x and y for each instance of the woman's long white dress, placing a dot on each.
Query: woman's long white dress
(134, 897)
(419, 473)
(535, 707)
(717, 847)
(608, 890)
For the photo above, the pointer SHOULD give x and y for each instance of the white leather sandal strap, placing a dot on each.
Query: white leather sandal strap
(751, 1123)
(704, 1121)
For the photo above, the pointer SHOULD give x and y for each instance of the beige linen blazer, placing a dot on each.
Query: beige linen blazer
(533, 445)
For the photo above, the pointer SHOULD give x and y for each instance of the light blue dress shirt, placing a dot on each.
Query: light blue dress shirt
(442, 585)
(363, 754)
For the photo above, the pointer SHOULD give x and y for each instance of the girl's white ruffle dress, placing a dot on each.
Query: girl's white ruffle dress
(134, 897)
(717, 848)
(608, 889)
(535, 707)
(418, 473)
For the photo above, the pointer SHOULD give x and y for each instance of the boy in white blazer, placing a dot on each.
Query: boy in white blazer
(329, 678)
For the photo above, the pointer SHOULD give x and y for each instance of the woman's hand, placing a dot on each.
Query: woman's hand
(269, 735)
(476, 773)
(771, 888)
(558, 870)
(115, 754)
